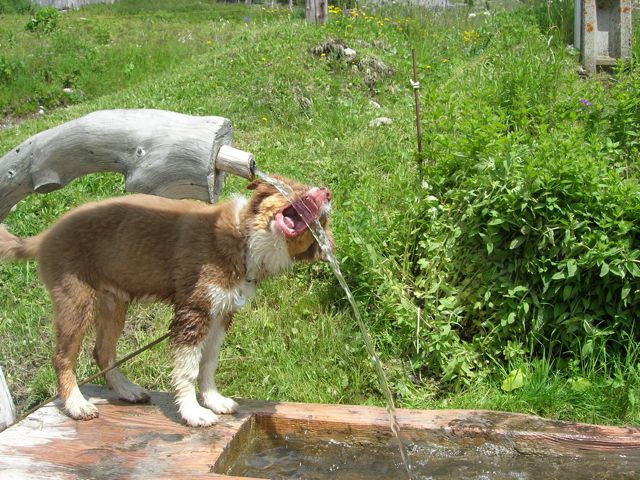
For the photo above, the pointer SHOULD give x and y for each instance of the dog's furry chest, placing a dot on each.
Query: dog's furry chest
(226, 301)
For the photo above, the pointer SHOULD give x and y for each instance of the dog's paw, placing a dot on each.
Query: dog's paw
(81, 410)
(218, 403)
(126, 390)
(197, 416)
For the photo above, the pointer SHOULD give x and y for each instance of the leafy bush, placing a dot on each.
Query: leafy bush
(44, 21)
(523, 240)
(551, 247)
(621, 118)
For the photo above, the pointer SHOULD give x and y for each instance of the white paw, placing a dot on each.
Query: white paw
(197, 416)
(218, 403)
(80, 409)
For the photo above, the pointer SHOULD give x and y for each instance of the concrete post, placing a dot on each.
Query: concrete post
(604, 33)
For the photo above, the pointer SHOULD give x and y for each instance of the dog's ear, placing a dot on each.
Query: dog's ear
(254, 184)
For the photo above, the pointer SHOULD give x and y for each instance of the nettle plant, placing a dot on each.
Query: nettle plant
(532, 252)
(523, 242)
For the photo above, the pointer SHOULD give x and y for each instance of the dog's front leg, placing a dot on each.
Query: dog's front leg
(188, 335)
(211, 397)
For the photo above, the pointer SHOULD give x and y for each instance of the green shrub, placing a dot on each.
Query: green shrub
(523, 241)
(44, 21)
(621, 117)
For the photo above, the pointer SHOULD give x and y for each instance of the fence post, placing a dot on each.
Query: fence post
(317, 11)
(7, 408)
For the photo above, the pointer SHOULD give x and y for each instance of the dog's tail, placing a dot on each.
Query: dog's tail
(16, 248)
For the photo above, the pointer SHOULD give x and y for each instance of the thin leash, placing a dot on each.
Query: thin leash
(101, 372)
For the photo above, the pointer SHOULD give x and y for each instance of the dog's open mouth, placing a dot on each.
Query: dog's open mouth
(292, 219)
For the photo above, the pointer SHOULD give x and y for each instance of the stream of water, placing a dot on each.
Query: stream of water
(321, 237)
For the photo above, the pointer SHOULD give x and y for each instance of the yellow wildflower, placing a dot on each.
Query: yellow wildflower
(470, 36)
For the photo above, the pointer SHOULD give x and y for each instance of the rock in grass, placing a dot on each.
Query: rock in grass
(380, 121)
(333, 46)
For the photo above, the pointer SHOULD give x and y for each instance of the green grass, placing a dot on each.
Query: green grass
(497, 96)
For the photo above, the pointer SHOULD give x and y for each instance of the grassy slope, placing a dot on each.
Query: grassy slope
(301, 115)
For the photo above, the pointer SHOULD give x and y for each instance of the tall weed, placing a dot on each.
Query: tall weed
(555, 17)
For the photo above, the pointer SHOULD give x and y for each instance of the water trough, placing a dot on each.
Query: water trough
(150, 441)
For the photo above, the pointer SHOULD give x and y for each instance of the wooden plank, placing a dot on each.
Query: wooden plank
(527, 432)
(143, 441)
(125, 441)
(68, 4)
(7, 407)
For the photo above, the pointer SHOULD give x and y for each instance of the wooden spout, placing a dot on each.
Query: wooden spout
(237, 162)
(229, 160)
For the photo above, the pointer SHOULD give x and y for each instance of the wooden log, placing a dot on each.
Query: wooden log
(7, 407)
(159, 152)
(317, 11)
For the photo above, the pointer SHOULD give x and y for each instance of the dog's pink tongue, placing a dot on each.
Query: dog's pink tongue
(289, 223)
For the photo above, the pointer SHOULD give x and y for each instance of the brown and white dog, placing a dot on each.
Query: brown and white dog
(204, 259)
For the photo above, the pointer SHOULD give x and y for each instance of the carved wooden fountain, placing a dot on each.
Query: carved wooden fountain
(175, 155)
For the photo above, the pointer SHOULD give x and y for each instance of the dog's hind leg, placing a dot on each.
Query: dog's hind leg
(74, 304)
(211, 397)
(110, 316)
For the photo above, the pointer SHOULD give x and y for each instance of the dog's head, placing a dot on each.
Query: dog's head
(274, 213)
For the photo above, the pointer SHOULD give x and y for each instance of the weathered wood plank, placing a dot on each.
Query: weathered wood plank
(7, 407)
(528, 430)
(68, 4)
(125, 441)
